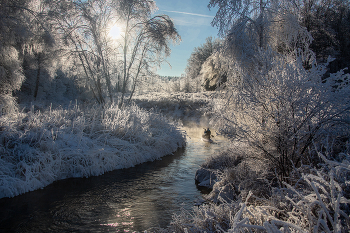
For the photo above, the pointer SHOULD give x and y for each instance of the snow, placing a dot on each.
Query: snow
(38, 148)
(206, 177)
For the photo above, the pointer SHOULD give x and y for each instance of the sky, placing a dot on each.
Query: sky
(192, 19)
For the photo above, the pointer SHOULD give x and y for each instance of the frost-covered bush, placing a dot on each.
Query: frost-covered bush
(232, 173)
(316, 203)
(38, 148)
(276, 97)
(214, 166)
(205, 218)
(169, 84)
(280, 108)
(225, 159)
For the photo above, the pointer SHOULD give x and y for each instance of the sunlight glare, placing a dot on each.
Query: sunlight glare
(114, 32)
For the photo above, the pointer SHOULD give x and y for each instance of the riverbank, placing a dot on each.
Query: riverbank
(40, 147)
(245, 197)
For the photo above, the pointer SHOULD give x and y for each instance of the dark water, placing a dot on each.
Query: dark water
(127, 200)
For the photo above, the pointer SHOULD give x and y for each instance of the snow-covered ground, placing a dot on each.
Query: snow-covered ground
(40, 147)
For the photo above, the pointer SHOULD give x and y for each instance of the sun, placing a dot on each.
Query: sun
(114, 32)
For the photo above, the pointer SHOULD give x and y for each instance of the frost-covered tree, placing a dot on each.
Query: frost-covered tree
(108, 64)
(256, 24)
(275, 99)
(145, 40)
(11, 77)
(97, 15)
(83, 30)
(83, 27)
(199, 55)
(14, 29)
(249, 26)
(329, 24)
(31, 39)
(40, 53)
(281, 109)
(213, 73)
(251, 17)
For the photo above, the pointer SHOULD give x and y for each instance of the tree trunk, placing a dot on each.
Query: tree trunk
(37, 76)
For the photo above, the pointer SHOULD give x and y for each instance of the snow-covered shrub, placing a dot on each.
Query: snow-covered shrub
(225, 159)
(231, 173)
(317, 200)
(215, 166)
(38, 148)
(316, 203)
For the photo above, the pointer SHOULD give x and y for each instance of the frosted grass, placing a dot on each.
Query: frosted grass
(38, 148)
(317, 201)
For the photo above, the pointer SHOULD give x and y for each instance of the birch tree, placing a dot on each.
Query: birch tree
(83, 27)
(145, 40)
(108, 64)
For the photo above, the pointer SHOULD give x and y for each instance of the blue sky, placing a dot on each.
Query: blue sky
(192, 19)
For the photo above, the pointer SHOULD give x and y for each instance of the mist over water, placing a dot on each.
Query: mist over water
(133, 199)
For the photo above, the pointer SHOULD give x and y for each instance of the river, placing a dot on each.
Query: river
(126, 200)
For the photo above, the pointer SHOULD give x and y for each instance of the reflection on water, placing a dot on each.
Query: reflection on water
(126, 200)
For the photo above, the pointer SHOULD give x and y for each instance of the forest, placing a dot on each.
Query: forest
(78, 101)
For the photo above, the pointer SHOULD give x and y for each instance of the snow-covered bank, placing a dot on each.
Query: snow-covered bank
(179, 106)
(209, 172)
(38, 148)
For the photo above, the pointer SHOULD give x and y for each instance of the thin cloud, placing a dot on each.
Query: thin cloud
(188, 13)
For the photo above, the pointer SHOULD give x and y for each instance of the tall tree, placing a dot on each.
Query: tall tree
(83, 29)
(41, 51)
(199, 55)
(108, 62)
(249, 26)
(145, 40)
(329, 24)
(97, 14)
(14, 30)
